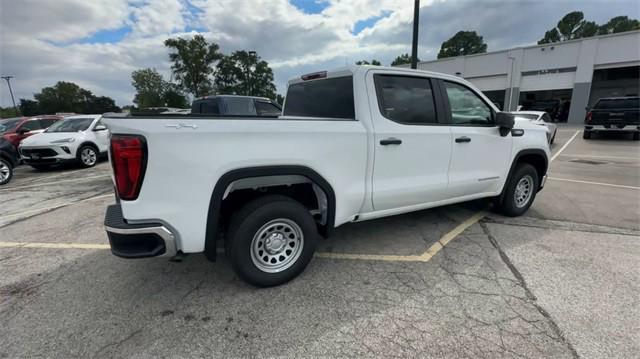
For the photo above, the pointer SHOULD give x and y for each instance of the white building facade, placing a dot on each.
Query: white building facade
(570, 75)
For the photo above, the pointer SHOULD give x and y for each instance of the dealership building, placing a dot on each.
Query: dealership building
(572, 74)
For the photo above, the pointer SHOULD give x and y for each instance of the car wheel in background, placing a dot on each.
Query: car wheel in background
(586, 134)
(88, 156)
(271, 240)
(636, 136)
(6, 171)
(520, 191)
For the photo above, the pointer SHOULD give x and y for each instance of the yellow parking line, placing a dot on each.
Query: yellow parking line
(53, 245)
(424, 257)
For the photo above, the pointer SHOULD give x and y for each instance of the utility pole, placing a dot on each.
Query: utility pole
(8, 79)
(414, 45)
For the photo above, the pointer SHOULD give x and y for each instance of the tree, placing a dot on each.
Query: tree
(619, 24)
(29, 107)
(373, 62)
(193, 62)
(153, 91)
(402, 59)
(67, 97)
(462, 43)
(244, 73)
(571, 26)
(150, 88)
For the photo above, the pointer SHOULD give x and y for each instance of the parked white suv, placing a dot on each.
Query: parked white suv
(353, 144)
(80, 139)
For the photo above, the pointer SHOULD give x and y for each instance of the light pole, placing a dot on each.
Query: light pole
(8, 79)
(414, 45)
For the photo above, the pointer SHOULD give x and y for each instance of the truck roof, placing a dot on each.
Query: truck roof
(354, 69)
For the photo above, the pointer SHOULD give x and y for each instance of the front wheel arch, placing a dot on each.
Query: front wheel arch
(535, 157)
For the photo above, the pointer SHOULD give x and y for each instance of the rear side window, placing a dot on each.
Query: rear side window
(46, 122)
(206, 106)
(239, 106)
(407, 100)
(612, 104)
(332, 98)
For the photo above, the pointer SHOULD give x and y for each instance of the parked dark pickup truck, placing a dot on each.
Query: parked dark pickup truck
(614, 113)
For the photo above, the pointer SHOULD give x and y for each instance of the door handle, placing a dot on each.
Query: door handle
(390, 141)
(463, 139)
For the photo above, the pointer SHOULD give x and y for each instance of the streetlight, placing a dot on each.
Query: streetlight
(414, 45)
(8, 79)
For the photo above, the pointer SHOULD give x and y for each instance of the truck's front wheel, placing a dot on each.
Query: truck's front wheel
(520, 191)
(271, 240)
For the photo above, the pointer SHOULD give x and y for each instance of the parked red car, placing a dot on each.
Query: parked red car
(16, 129)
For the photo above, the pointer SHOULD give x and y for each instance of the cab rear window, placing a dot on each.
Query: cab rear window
(611, 104)
(329, 98)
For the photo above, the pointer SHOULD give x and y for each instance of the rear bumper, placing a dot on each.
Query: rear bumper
(137, 240)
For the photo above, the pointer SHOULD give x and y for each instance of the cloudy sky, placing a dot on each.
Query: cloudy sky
(98, 43)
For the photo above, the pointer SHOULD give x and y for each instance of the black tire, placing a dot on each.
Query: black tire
(6, 171)
(257, 217)
(508, 205)
(86, 163)
(636, 136)
(586, 134)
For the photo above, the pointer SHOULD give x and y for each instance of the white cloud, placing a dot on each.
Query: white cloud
(40, 39)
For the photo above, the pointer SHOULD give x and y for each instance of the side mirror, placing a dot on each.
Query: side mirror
(505, 122)
(100, 128)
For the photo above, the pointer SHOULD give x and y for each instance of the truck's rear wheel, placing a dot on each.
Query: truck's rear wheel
(520, 191)
(271, 240)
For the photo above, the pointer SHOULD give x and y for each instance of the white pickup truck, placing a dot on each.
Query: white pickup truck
(352, 144)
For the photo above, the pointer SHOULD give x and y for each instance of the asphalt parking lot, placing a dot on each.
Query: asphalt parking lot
(459, 281)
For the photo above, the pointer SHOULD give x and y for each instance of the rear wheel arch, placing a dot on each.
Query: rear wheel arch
(225, 181)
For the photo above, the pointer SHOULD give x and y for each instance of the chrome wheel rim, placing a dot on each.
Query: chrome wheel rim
(524, 191)
(4, 171)
(88, 156)
(277, 245)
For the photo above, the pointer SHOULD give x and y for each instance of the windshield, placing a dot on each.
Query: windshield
(9, 124)
(71, 125)
(611, 104)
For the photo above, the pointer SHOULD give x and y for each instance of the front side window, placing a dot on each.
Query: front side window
(31, 125)
(9, 124)
(467, 108)
(406, 100)
(267, 108)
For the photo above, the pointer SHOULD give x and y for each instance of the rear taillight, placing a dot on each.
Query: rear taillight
(129, 161)
(588, 118)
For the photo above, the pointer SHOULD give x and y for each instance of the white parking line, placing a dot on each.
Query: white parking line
(51, 183)
(604, 157)
(594, 183)
(565, 146)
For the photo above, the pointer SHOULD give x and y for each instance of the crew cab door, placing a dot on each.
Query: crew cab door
(412, 147)
(480, 156)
